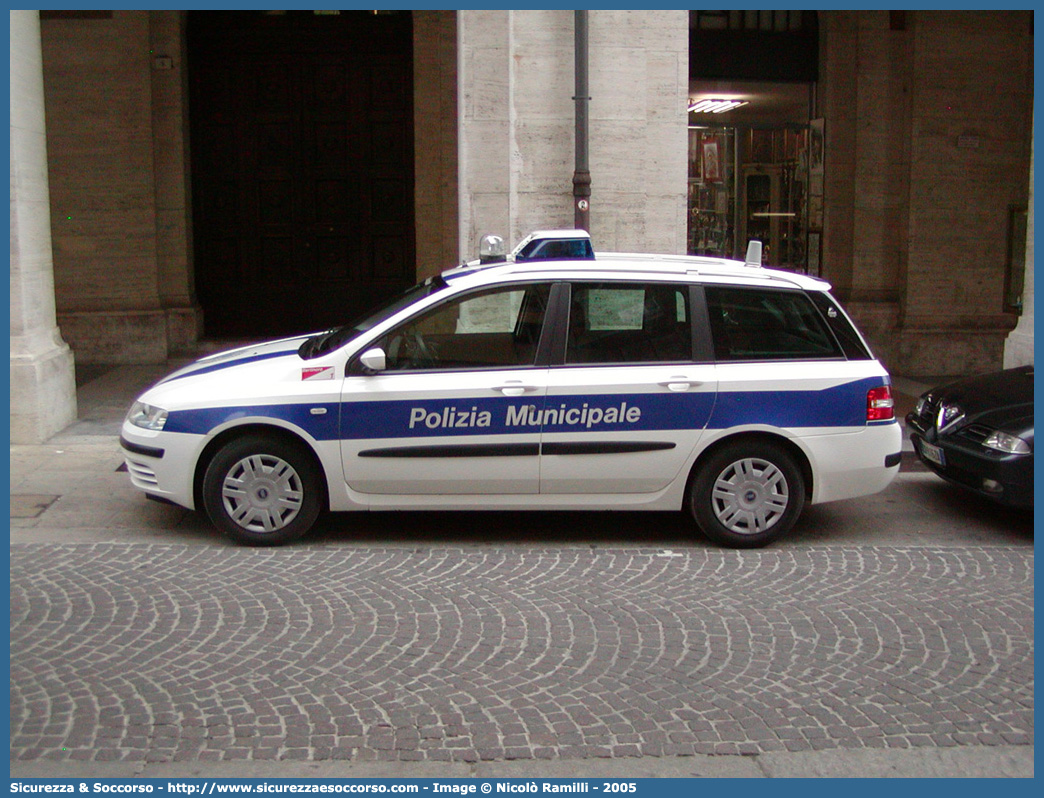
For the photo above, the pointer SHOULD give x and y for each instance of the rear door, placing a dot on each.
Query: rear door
(628, 403)
(456, 410)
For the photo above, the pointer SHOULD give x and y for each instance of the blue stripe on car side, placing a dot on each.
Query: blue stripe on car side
(840, 406)
(322, 426)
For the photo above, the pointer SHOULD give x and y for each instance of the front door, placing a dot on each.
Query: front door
(302, 166)
(457, 408)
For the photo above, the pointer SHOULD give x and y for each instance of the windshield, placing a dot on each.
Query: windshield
(336, 338)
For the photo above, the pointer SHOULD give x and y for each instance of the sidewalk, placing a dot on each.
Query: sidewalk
(921, 763)
(73, 485)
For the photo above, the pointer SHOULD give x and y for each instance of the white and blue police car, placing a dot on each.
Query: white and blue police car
(555, 378)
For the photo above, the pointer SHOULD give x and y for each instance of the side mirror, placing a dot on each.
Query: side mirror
(374, 360)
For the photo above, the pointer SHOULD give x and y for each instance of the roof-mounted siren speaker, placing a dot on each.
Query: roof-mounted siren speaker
(753, 254)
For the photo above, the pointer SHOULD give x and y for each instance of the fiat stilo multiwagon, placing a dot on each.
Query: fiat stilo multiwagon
(556, 378)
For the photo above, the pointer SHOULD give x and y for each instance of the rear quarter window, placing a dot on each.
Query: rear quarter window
(765, 324)
(841, 327)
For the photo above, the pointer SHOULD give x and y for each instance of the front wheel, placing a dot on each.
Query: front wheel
(262, 491)
(747, 494)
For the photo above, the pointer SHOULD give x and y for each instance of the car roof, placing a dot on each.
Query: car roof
(624, 265)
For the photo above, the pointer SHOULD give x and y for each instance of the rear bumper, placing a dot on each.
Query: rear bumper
(853, 464)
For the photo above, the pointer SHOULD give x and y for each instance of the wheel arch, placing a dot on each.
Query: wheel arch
(756, 436)
(214, 445)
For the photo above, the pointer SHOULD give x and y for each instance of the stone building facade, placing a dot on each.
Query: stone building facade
(927, 119)
(929, 137)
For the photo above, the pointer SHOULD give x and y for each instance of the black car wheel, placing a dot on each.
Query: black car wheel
(747, 494)
(262, 490)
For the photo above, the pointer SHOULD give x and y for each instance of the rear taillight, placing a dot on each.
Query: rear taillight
(879, 404)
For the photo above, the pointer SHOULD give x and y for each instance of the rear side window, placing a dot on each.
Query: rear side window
(629, 323)
(765, 324)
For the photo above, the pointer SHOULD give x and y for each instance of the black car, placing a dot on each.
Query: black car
(978, 433)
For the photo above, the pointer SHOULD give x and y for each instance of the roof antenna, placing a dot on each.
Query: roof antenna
(753, 253)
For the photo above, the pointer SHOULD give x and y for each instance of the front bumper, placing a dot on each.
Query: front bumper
(1004, 478)
(161, 464)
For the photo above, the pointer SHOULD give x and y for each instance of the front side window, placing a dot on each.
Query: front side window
(763, 324)
(497, 328)
(629, 323)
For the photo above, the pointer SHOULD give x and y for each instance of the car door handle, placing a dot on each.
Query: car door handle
(515, 388)
(680, 383)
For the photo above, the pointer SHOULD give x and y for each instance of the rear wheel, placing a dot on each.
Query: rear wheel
(747, 494)
(262, 491)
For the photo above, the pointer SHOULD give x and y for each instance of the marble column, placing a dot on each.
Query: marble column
(43, 385)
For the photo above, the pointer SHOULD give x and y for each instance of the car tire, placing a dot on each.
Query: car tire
(262, 490)
(747, 494)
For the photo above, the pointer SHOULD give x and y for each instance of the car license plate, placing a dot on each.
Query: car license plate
(933, 453)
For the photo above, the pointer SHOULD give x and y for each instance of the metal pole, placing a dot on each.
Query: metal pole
(582, 173)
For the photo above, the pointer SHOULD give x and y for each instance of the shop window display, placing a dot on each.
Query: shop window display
(748, 183)
(712, 190)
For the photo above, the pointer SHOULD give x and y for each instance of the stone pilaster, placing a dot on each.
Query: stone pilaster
(435, 139)
(1018, 349)
(516, 117)
(175, 278)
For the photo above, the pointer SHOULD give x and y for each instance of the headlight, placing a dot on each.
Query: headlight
(147, 416)
(1009, 444)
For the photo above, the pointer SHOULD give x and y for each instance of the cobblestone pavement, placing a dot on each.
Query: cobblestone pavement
(157, 652)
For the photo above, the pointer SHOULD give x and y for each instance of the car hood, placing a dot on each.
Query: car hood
(1002, 400)
(284, 347)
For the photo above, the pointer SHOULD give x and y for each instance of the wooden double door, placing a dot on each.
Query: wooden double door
(302, 167)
